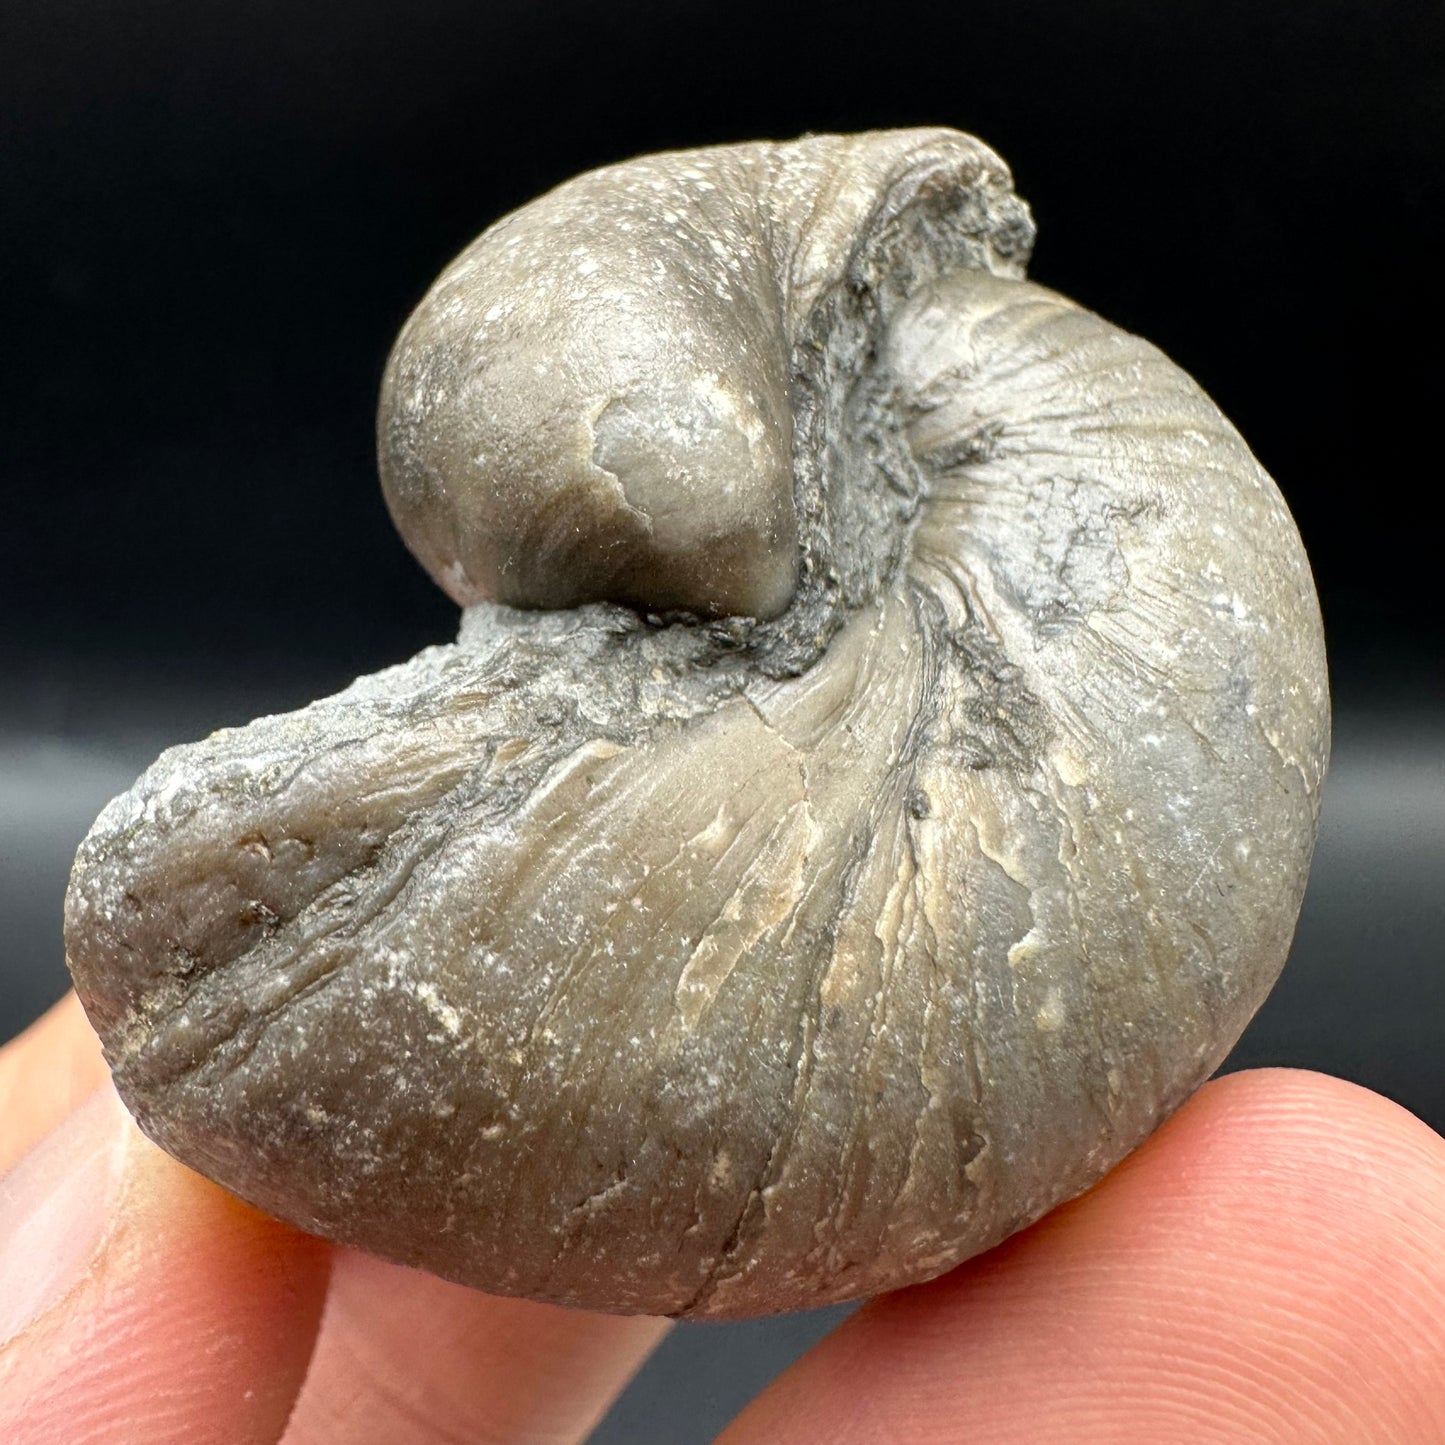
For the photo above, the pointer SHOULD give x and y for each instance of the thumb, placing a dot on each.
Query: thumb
(139, 1302)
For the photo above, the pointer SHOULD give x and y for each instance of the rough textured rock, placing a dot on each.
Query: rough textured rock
(873, 786)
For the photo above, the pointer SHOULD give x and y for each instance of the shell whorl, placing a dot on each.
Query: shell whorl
(635, 390)
(873, 786)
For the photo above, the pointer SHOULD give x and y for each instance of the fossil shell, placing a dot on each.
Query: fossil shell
(873, 785)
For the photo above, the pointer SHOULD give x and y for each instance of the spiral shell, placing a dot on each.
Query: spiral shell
(873, 786)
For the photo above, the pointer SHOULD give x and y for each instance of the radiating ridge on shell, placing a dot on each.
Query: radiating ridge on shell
(873, 785)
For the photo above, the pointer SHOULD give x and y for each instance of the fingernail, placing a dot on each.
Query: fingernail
(55, 1206)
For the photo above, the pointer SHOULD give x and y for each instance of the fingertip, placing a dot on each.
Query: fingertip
(46, 1072)
(191, 1319)
(1269, 1266)
(443, 1363)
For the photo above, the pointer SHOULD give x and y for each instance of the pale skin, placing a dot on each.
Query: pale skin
(1270, 1267)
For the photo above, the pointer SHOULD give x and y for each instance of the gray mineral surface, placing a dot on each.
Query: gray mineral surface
(872, 787)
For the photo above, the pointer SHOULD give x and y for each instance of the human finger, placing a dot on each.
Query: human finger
(1270, 1267)
(405, 1356)
(45, 1073)
(141, 1303)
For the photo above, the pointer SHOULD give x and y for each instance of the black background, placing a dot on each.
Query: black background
(214, 217)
